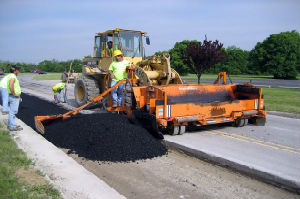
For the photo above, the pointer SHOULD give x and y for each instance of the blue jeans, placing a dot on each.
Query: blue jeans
(13, 103)
(117, 94)
(64, 93)
(4, 97)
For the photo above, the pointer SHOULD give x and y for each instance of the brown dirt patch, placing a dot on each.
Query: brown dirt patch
(29, 176)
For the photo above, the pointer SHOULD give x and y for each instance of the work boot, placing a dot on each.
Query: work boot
(17, 128)
(115, 105)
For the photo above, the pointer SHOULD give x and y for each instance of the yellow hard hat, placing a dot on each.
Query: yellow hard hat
(117, 52)
(54, 88)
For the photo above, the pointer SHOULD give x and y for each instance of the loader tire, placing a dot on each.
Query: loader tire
(86, 87)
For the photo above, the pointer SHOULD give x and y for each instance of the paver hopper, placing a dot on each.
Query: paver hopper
(177, 106)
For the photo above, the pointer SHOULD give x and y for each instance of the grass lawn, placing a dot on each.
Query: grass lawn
(18, 178)
(201, 83)
(277, 99)
(26, 73)
(282, 99)
(214, 76)
(48, 76)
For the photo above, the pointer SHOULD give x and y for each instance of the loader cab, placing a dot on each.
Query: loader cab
(128, 41)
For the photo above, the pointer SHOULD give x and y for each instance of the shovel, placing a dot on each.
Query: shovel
(68, 79)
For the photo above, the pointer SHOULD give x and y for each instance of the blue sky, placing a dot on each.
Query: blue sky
(32, 31)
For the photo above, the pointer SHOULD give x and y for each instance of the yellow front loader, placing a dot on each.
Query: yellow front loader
(155, 70)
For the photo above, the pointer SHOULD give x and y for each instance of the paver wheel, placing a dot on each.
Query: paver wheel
(86, 87)
(240, 122)
(257, 121)
(174, 130)
(182, 130)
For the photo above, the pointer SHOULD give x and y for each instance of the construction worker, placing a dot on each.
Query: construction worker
(64, 76)
(109, 50)
(4, 95)
(14, 91)
(57, 89)
(117, 71)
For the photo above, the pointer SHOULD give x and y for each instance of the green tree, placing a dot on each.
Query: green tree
(277, 55)
(236, 62)
(160, 53)
(77, 65)
(179, 56)
(45, 65)
(5, 65)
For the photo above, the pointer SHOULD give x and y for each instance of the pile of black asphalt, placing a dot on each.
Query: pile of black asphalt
(102, 136)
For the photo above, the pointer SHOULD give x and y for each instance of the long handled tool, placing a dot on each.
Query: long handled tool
(68, 79)
(39, 120)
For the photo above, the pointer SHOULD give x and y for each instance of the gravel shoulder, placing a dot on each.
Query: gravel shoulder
(177, 175)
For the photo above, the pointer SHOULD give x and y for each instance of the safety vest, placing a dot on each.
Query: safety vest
(17, 87)
(58, 87)
(110, 50)
(3, 82)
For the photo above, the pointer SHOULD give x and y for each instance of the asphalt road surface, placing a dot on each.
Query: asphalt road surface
(270, 152)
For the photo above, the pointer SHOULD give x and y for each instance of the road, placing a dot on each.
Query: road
(178, 175)
(271, 152)
(257, 82)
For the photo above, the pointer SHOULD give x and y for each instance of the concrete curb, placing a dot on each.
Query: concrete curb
(71, 179)
(244, 169)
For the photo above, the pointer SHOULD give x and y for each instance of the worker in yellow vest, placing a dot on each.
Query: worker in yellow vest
(58, 89)
(117, 71)
(4, 95)
(109, 50)
(14, 91)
